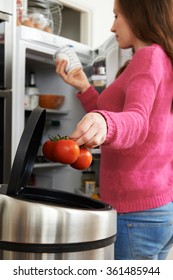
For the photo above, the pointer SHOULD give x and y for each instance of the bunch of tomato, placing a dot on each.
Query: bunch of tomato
(67, 151)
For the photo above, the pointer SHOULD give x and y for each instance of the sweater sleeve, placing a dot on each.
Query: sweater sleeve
(127, 128)
(130, 127)
(88, 99)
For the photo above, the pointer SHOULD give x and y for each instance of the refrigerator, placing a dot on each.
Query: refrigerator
(6, 46)
(34, 54)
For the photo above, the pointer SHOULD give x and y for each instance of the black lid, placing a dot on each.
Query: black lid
(26, 152)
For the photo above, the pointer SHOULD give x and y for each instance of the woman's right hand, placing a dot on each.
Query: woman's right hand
(91, 131)
(75, 78)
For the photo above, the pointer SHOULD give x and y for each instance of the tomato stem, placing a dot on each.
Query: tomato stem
(58, 137)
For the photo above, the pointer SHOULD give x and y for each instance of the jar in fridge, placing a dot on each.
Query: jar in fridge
(88, 181)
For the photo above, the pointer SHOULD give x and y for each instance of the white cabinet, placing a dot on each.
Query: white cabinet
(96, 19)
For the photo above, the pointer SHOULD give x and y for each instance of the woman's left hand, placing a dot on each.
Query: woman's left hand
(91, 131)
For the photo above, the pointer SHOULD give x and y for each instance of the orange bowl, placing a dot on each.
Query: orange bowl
(51, 101)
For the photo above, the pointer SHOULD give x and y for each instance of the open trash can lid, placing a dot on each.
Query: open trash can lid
(23, 165)
(26, 152)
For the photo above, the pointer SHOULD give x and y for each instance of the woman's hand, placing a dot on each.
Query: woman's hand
(91, 131)
(75, 78)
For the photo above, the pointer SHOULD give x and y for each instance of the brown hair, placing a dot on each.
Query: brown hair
(151, 21)
(122, 68)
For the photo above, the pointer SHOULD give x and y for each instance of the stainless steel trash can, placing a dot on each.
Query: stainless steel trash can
(44, 224)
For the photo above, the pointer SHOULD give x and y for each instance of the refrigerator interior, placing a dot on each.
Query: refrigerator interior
(62, 122)
(35, 50)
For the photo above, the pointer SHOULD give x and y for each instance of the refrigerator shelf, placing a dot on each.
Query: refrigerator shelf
(50, 111)
(41, 162)
(47, 165)
(95, 151)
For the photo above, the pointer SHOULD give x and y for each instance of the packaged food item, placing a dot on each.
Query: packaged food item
(98, 77)
(31, 93)
(88, 182)
(68, 53)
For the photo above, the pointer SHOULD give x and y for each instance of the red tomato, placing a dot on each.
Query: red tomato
(84, 160)
(65, 151)
(47, 149)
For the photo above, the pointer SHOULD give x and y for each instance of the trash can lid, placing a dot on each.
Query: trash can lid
(26, 152)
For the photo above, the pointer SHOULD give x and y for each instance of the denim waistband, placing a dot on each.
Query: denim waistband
(168, 208)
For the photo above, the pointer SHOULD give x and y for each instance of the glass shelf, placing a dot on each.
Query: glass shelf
(50, 111)
(47, 165)
(41, 162)
(95, 151)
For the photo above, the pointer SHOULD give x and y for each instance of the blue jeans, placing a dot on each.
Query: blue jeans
(146, 235)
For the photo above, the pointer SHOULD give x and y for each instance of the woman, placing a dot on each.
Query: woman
(132, 120)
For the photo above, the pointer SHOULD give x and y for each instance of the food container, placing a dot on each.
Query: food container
(68, 53)
(31, 99)
(40, 18)
(88, 182)
(51, 101)
(44, 15)
(47, 224)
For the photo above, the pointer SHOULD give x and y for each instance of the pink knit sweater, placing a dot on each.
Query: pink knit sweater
(136, 170)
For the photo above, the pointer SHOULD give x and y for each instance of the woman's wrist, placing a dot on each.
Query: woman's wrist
(84, 88)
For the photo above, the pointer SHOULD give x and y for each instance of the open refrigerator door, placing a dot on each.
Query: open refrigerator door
(107, 59)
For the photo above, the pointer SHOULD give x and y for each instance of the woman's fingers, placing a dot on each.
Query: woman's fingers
(60, 68)
(91, 130)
